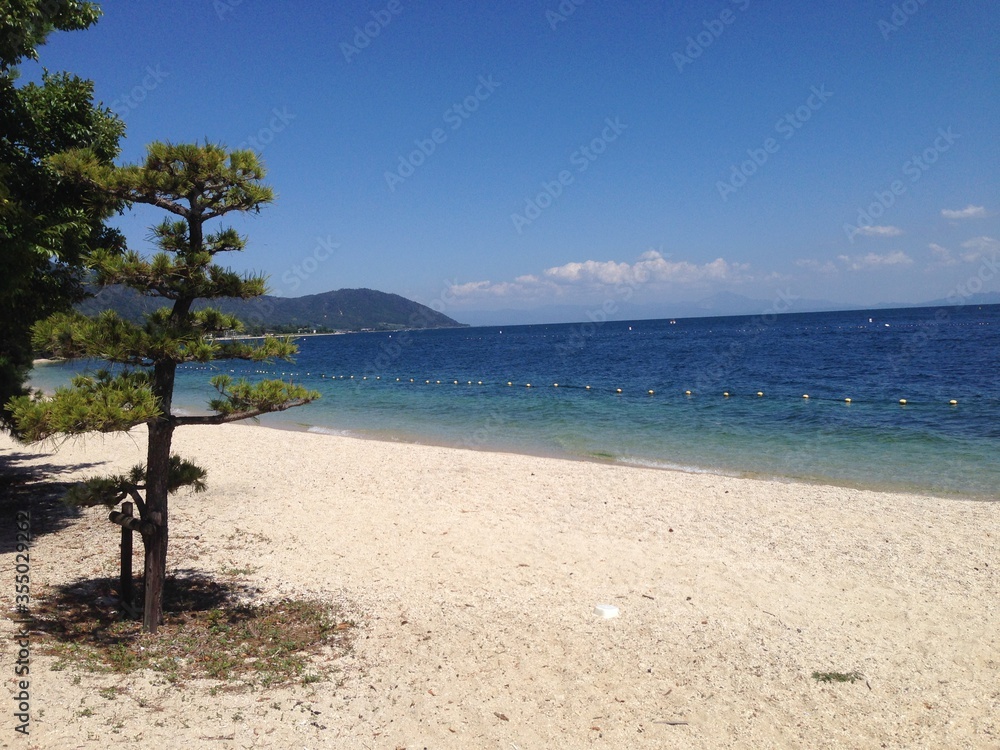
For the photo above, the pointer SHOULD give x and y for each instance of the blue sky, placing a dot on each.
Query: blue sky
(497, 157)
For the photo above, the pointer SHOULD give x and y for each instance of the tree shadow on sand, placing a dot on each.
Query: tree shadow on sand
(211, 629)
(26, 485)
(90, 609)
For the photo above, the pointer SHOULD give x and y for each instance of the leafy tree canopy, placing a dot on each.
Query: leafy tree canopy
(48, 224)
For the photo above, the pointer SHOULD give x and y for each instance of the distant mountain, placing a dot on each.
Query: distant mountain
(721, 304)
(340, 310)
(981, 298)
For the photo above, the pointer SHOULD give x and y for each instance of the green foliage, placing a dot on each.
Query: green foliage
(111, 490)
(241, 396)
(25, 24)
(47, 224)
(94, 403)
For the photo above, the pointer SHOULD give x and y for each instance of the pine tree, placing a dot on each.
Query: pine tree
(195, 183)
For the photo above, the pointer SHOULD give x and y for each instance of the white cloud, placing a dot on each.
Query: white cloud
(817, 266)
(650, 268)
(978, 247)
(969, 212)
(887, 231)
(874, 260)
(942, 255)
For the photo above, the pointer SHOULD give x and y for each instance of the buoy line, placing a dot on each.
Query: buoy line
(617, 391)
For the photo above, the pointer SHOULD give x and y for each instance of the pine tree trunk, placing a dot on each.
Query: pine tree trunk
(157, 474)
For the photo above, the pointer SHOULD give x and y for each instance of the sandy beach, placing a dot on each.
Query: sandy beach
(473, 578)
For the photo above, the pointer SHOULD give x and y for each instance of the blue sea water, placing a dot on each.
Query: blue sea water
(387, 386)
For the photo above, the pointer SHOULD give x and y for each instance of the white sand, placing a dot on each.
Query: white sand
(474, 576)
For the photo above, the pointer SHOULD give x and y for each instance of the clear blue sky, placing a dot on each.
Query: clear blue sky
(660, 154)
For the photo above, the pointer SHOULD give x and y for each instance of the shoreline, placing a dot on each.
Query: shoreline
(474, 576)
(302, 427)
(289, 423)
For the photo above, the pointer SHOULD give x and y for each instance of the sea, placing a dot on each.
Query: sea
(903, 399)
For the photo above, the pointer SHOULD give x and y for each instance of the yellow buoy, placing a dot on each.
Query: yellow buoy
(509, 383)
(687, 393)
(726, 394)
(953, 402)
(847, 400)
(527, 385)
(902, 401)
(650, 393)
(555, 385)
(805, 395)
(480, 382)
(760, 393)
(618, 390)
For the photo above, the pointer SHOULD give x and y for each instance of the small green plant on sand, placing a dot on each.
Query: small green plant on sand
(837, 676)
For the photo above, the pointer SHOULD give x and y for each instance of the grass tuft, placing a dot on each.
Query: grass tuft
(837, 676)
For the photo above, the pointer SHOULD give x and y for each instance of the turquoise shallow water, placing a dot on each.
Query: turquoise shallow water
(876, 358)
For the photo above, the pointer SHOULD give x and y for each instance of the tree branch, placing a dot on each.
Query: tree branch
(235, 416)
